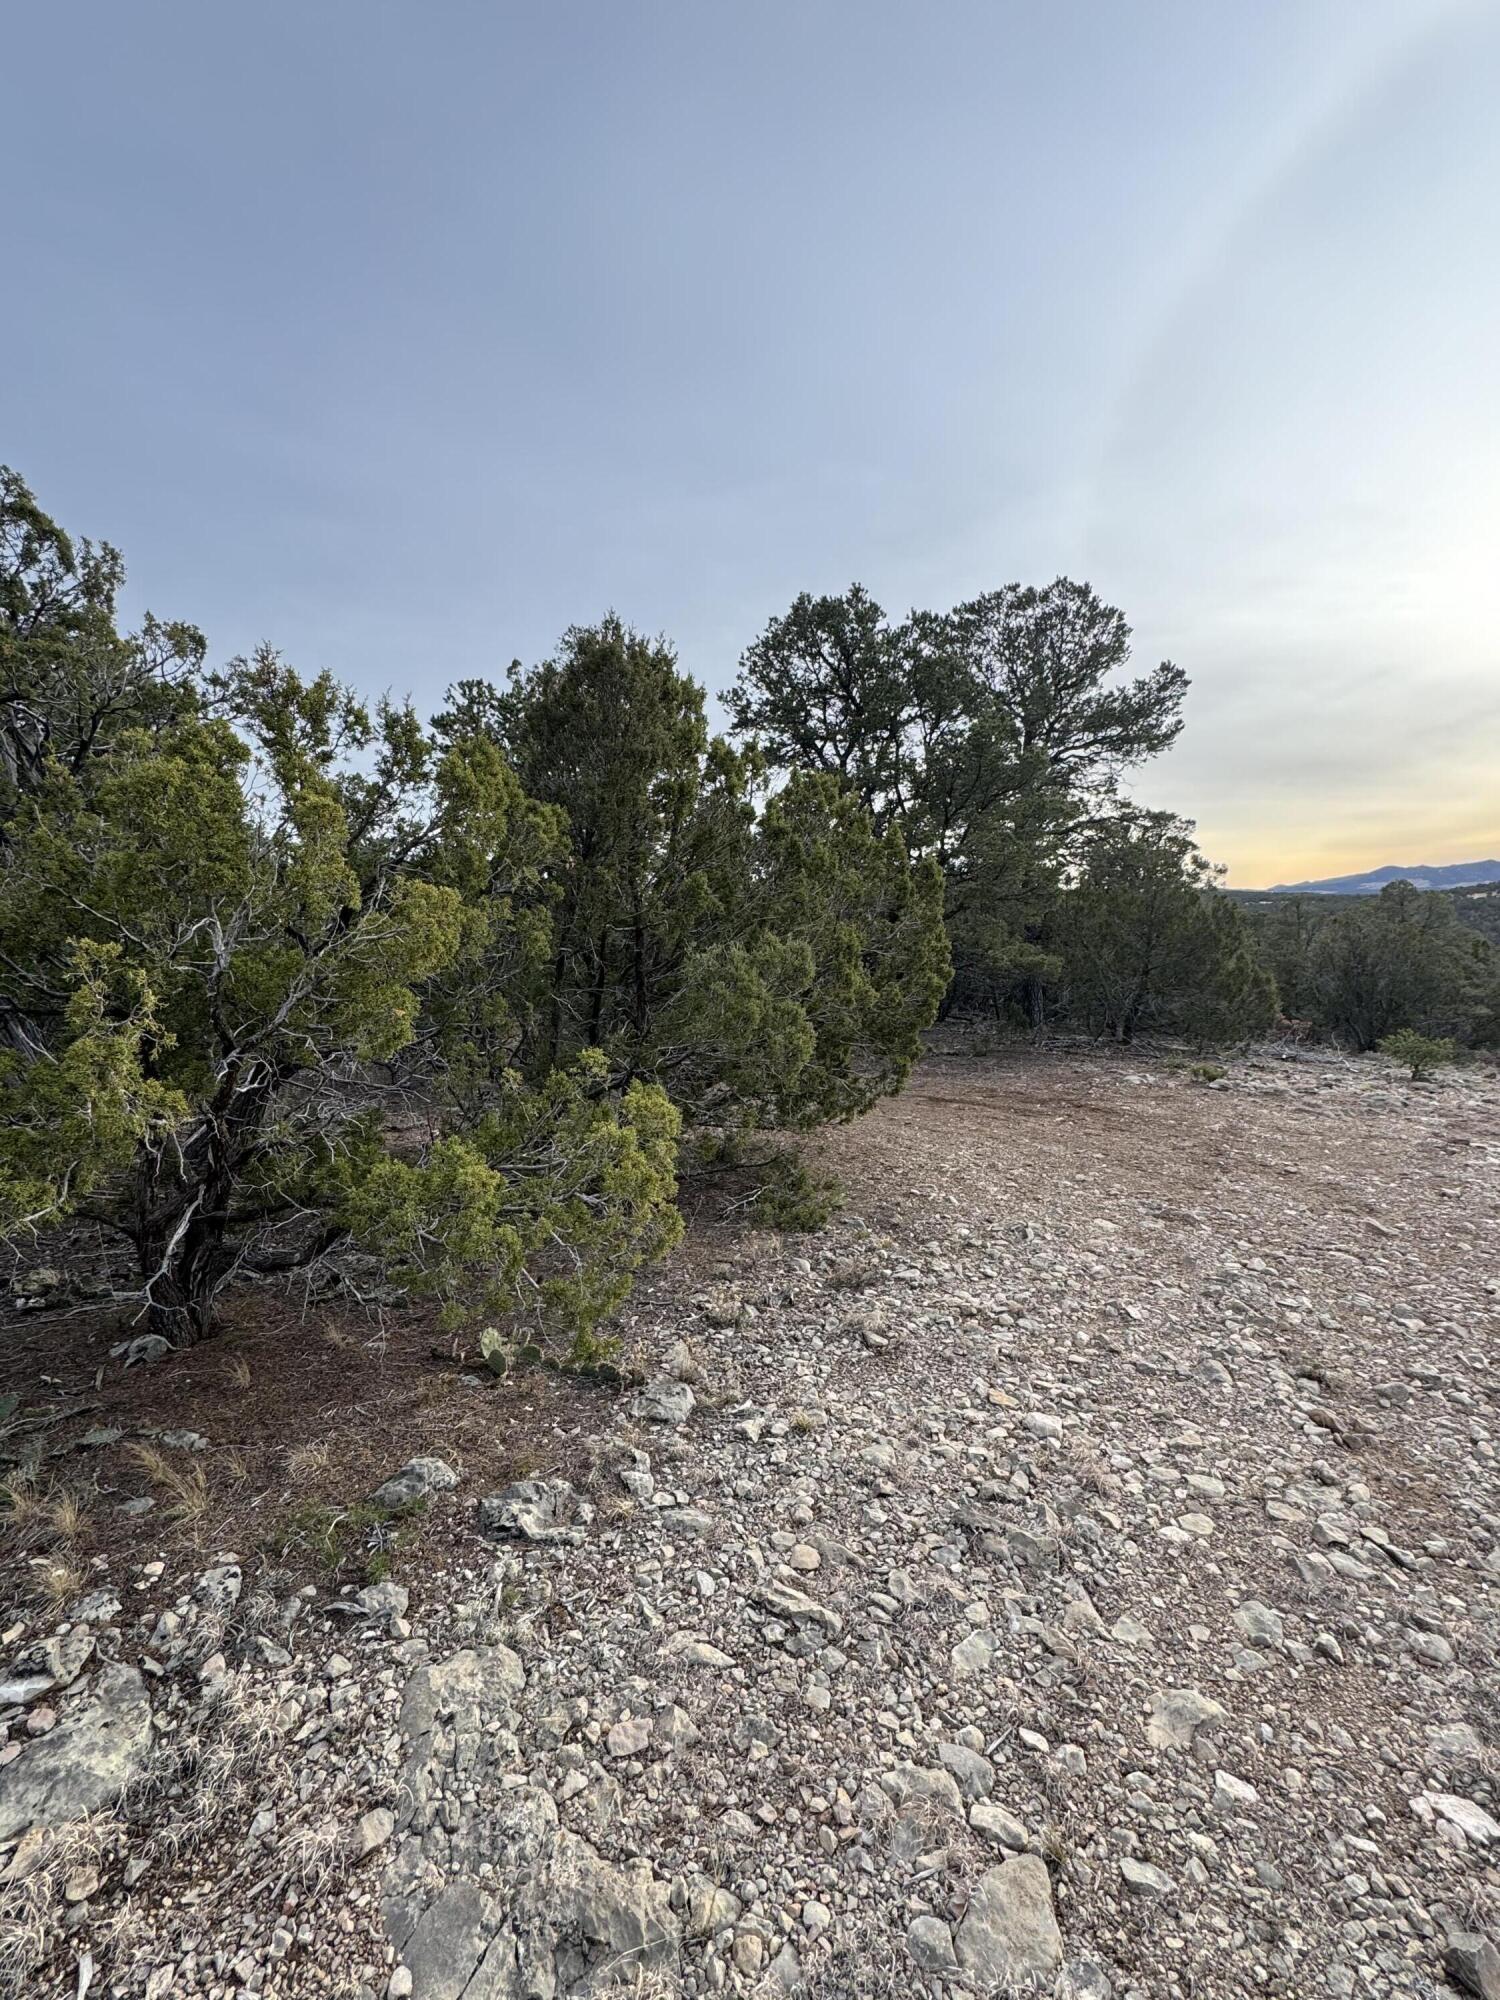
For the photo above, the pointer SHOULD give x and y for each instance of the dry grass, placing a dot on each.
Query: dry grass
(303, 1460)
(185, 1485)
(206, 1774)
(239, 1371)
(1091, 1469)
(38, 1516)
(864, 1968)
(315, 1852)
(25, 1505)
(210, 1772)
(31, 1906)
(67, 1514)
(59, 1580)
(52, 1520)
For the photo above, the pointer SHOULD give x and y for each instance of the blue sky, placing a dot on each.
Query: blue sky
(405, 336)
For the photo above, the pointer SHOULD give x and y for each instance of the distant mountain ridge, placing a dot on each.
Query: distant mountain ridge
(1452, 875)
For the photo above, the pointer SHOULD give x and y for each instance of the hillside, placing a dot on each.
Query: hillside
(1452, 875)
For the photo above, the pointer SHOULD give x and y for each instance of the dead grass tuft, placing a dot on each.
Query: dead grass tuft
(39, 1516)
(303, 1460)
(59, 1580)
(32, 1906)
(1091, 1469)
(185, 1485)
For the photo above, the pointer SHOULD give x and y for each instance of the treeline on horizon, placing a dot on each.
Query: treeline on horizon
(284, 976)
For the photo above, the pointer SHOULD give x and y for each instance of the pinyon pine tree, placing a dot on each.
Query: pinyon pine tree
(991, 736)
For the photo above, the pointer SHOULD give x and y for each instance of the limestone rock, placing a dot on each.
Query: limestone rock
(418, 1479)
(1177, 1714)
(930, 1943)
(536, 1510)
(1472, 1960)
(1009, 1933)
(84, 1763)
(787, 1602)
(664, 1401)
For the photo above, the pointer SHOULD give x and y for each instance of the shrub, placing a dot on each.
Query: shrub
(791, 1197)
(1421, 1054)
(1363, 968)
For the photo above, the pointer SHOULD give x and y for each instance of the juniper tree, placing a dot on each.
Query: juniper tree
(220, 922)
(1145, 940)
(768, 968)
(1402, 960)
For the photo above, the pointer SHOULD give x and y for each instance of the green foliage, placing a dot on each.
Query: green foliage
(770, 1184)
(1421, 1054)
(70, 683)
(544, 1211)
(1364, 968)
(990, 737)
(332, 1538)
(281, 974)
(765, 969)
(72, 1120)
(1207, 1072)
(790, 1197)
(227, 918)
(503, 1353)
(868, 922)
(1147, 942)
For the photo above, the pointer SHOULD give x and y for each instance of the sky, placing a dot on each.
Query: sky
(406, 336)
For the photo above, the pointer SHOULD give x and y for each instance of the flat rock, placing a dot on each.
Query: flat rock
(975, 1773)
(973, 1653)
(1260, 1624)
(1471, 1819)
(82, 1764)
(694, 1650)
(930, 1943)
(629, 1737)
(1009, 1933)
(1001, 1828)
(536, 1510)
(788, 1602)
(1177, 1714)
(623, 1913)
(418, 1479)
(664, 1401)
(1142, 1878)
(1473, 1962)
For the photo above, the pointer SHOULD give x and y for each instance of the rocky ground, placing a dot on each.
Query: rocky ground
(1075, 1571)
